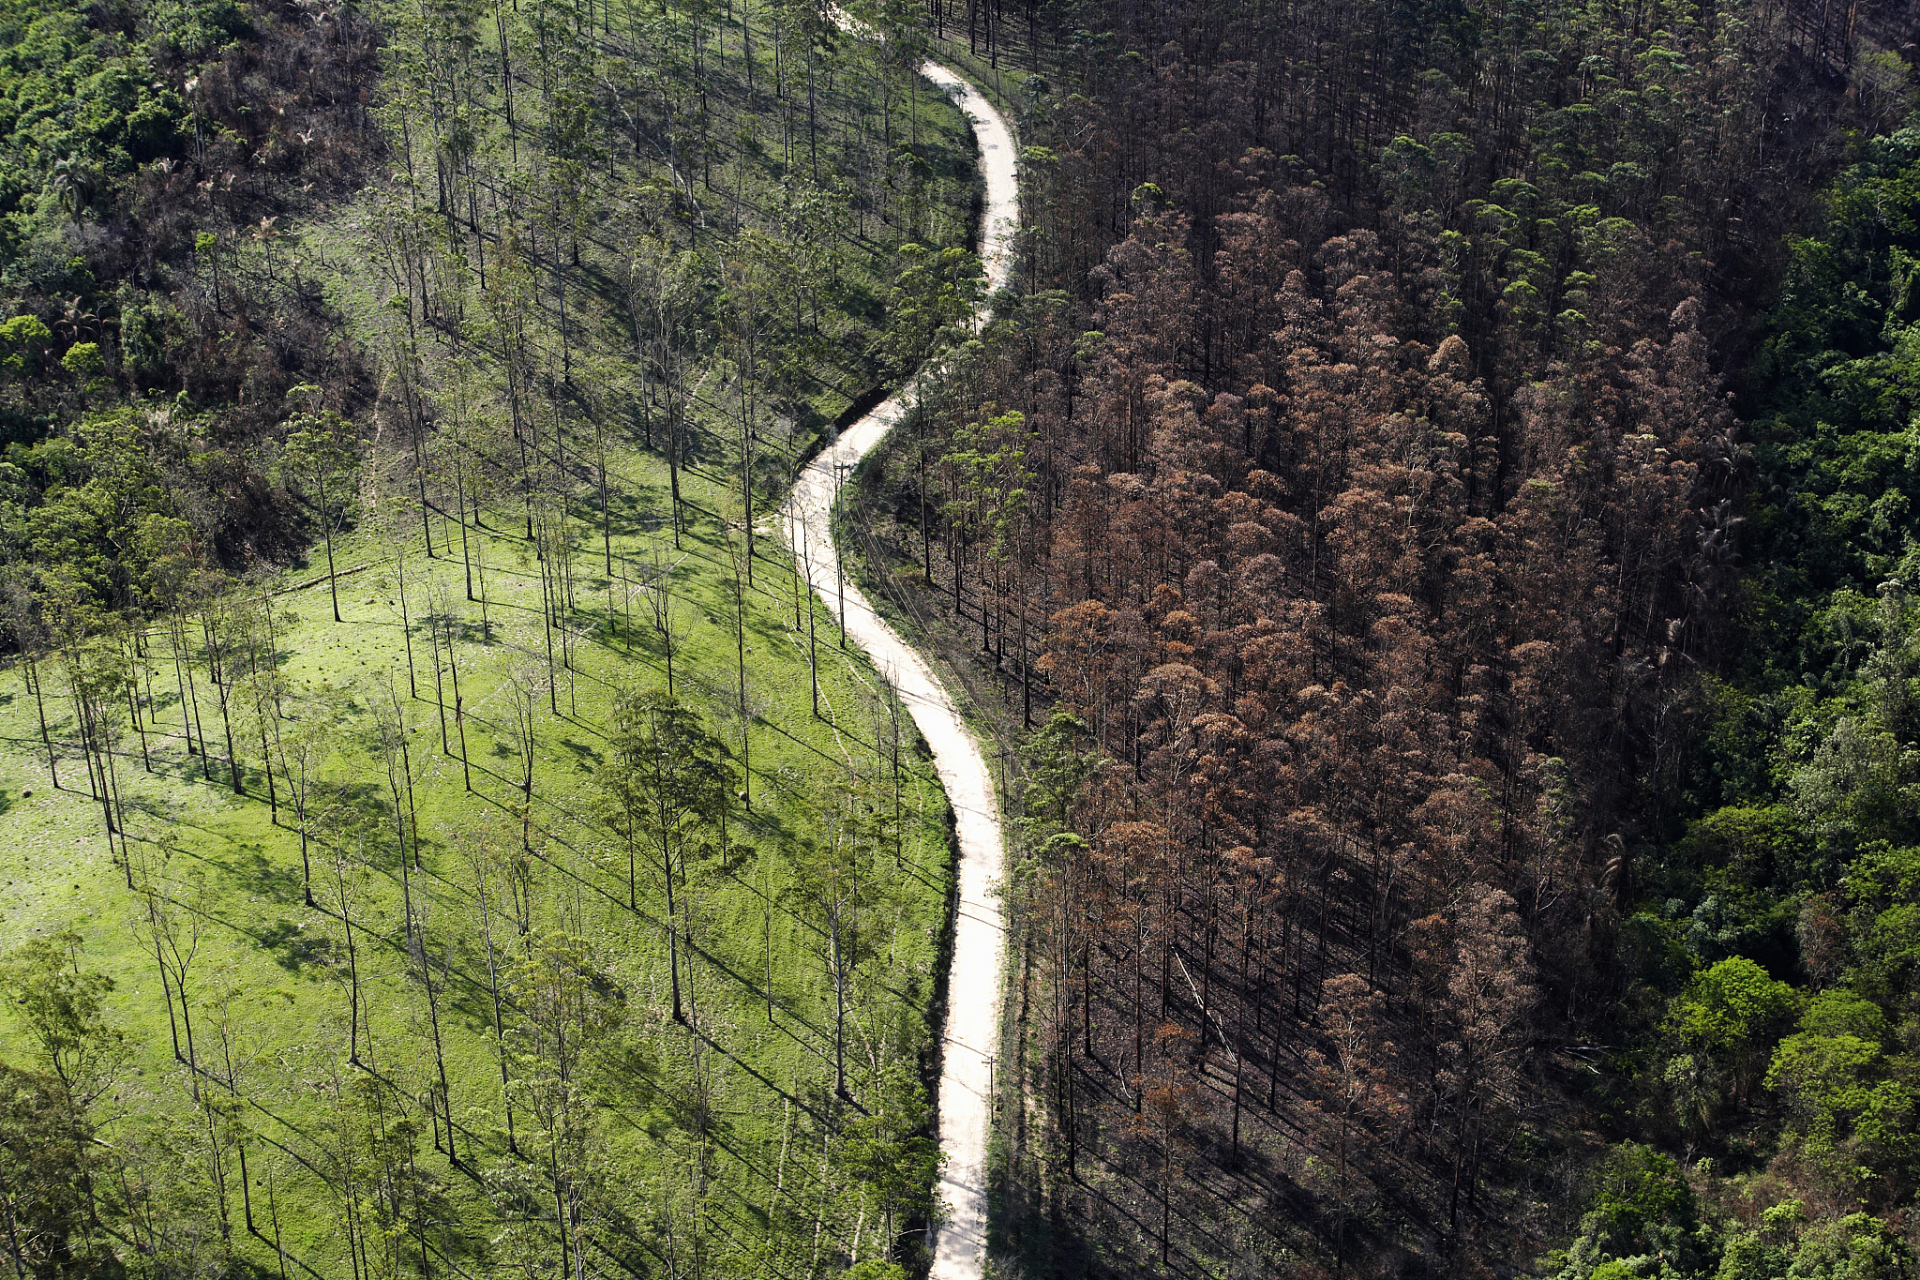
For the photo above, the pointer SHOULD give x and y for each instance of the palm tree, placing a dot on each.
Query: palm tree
(75, 185)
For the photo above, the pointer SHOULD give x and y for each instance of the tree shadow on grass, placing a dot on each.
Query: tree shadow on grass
(295, 948)
(249, 868)
(585, 756)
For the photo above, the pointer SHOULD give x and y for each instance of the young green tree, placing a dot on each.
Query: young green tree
(495, 867)
(321, 460)
(79, 1051)
(1850, 1113)
(61, 1007)
(888, 1148)
(935, 292)
(840, 890)
(668, 779)
(44, 1210)
(302, 749)
(568, 1005)
(1723, 1028)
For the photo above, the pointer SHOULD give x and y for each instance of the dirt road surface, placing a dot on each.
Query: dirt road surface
(974, 981)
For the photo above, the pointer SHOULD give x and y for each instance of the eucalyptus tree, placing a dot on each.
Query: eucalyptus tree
(223, 626)
(389, 743)
(743, 704)
(567, 1006)
(668, 622)
(747, 318)
(668, 780)
(523, 690)
(664, 297)
(171, 576)
(321, 461)
(61, 1009)
(302, 750)
(173, 922)
(494, 868)
(446, 613)
(97, 677)
(841, 893)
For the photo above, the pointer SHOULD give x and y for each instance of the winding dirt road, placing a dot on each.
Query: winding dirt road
(974, 982)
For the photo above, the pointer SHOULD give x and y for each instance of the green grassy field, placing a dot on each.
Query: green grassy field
(267, 988)
(503, 946)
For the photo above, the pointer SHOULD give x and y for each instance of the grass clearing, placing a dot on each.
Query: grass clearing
(510, 1089)
(268, 987)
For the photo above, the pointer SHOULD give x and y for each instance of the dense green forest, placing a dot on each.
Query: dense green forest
(1430, 530)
